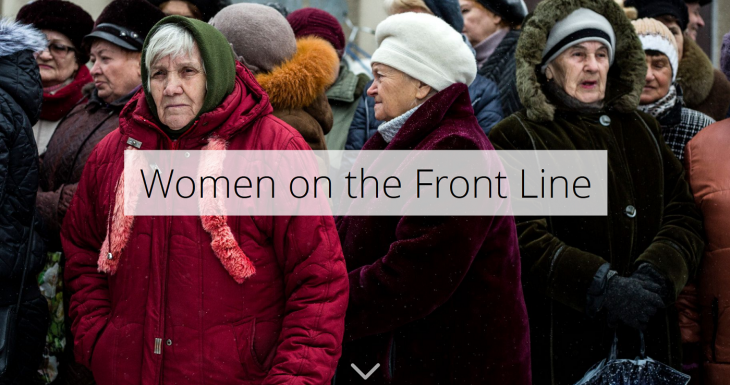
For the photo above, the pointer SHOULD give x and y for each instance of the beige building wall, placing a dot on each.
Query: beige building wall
(371, 12)
(10, 8)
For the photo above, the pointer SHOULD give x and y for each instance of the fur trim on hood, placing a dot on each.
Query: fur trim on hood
(299, 81)
(695, 73)
(15, 37)
(628, 69)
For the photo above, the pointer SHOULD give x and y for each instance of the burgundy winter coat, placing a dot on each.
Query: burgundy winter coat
(435, 300)
(169, 311)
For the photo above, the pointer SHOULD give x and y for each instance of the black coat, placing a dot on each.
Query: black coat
(21, 94)
(651, 214)
(500, 68)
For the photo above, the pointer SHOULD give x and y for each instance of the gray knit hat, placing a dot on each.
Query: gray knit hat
(580, 26)
(260, 36)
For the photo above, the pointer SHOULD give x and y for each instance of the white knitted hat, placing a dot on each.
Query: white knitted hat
(425, 48)
(581, 25)
(655, 36)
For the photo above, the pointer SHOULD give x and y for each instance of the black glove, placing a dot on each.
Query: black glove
(648, 273)
(631, 301)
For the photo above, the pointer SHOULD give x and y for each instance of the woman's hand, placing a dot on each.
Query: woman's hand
(631, 301)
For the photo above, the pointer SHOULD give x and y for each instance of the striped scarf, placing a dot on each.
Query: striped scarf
(661, 106)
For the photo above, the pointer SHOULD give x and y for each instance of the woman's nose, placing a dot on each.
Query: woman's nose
(372, 90)
(95, 69)
(591, 63)
(45, 55)
(173, 86)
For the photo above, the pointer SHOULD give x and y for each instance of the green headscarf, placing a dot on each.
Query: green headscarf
(218, 58)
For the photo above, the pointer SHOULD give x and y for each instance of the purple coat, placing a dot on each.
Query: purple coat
(435, 300)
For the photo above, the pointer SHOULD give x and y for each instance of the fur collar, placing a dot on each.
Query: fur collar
(695, 74)
(15, 37)
(298, 82)
(628, 69)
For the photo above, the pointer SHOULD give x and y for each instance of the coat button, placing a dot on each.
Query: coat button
(605, 120)
(169, 342)
(187, 154)
(109, 256)
(630, 211)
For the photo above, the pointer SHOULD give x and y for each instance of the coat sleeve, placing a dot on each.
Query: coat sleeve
(7, 259)
(316, 291)
(359, 133)
(484, 96)
(52, 205)
(82, 234)
(421, 271)
(678, 246)
(548, 263)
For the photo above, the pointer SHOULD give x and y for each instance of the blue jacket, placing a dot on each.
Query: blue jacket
(483, 93)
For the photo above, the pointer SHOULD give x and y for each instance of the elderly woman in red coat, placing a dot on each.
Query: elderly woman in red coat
(199, 300)
(433, 300)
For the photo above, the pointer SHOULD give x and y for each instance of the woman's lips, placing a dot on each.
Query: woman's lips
(176, 106)
(589, 85)
(44, 66)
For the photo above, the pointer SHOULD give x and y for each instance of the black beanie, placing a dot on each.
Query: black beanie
(512, 11)
(126, 23)
(448, 11)
(656, 8)
(60, 16)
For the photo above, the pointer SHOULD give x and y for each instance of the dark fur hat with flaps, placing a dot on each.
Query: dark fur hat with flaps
(629, 67)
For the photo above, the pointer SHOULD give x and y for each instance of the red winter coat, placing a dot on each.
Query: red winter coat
(171, 312)
(708, 172)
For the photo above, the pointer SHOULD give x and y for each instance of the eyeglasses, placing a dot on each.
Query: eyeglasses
(59, 50)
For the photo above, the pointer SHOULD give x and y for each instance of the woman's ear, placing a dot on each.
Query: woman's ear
(549, 72)
(423, 90)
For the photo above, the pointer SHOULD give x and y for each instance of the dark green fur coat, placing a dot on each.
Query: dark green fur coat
(560, 255)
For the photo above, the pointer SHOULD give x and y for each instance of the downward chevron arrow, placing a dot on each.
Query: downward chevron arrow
(363, 375)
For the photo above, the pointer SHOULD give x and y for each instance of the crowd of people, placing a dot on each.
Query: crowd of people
(90, 295)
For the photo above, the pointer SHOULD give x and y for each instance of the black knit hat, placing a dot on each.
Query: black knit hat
(126, 23)
(656, 8)
(512, 11)
(60, 16)
(207, 7)
(448, 11)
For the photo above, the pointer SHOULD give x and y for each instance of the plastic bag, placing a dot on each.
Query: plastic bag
(640, 371)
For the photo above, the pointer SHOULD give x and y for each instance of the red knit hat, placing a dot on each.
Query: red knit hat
(316, 22)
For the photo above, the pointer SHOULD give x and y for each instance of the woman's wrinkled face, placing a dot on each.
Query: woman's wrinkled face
(676, 30)
(57, 63)
(582, 71)
(116, 71)
(479, 22)
(658, 78)
(178, 88)
(394, 92)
